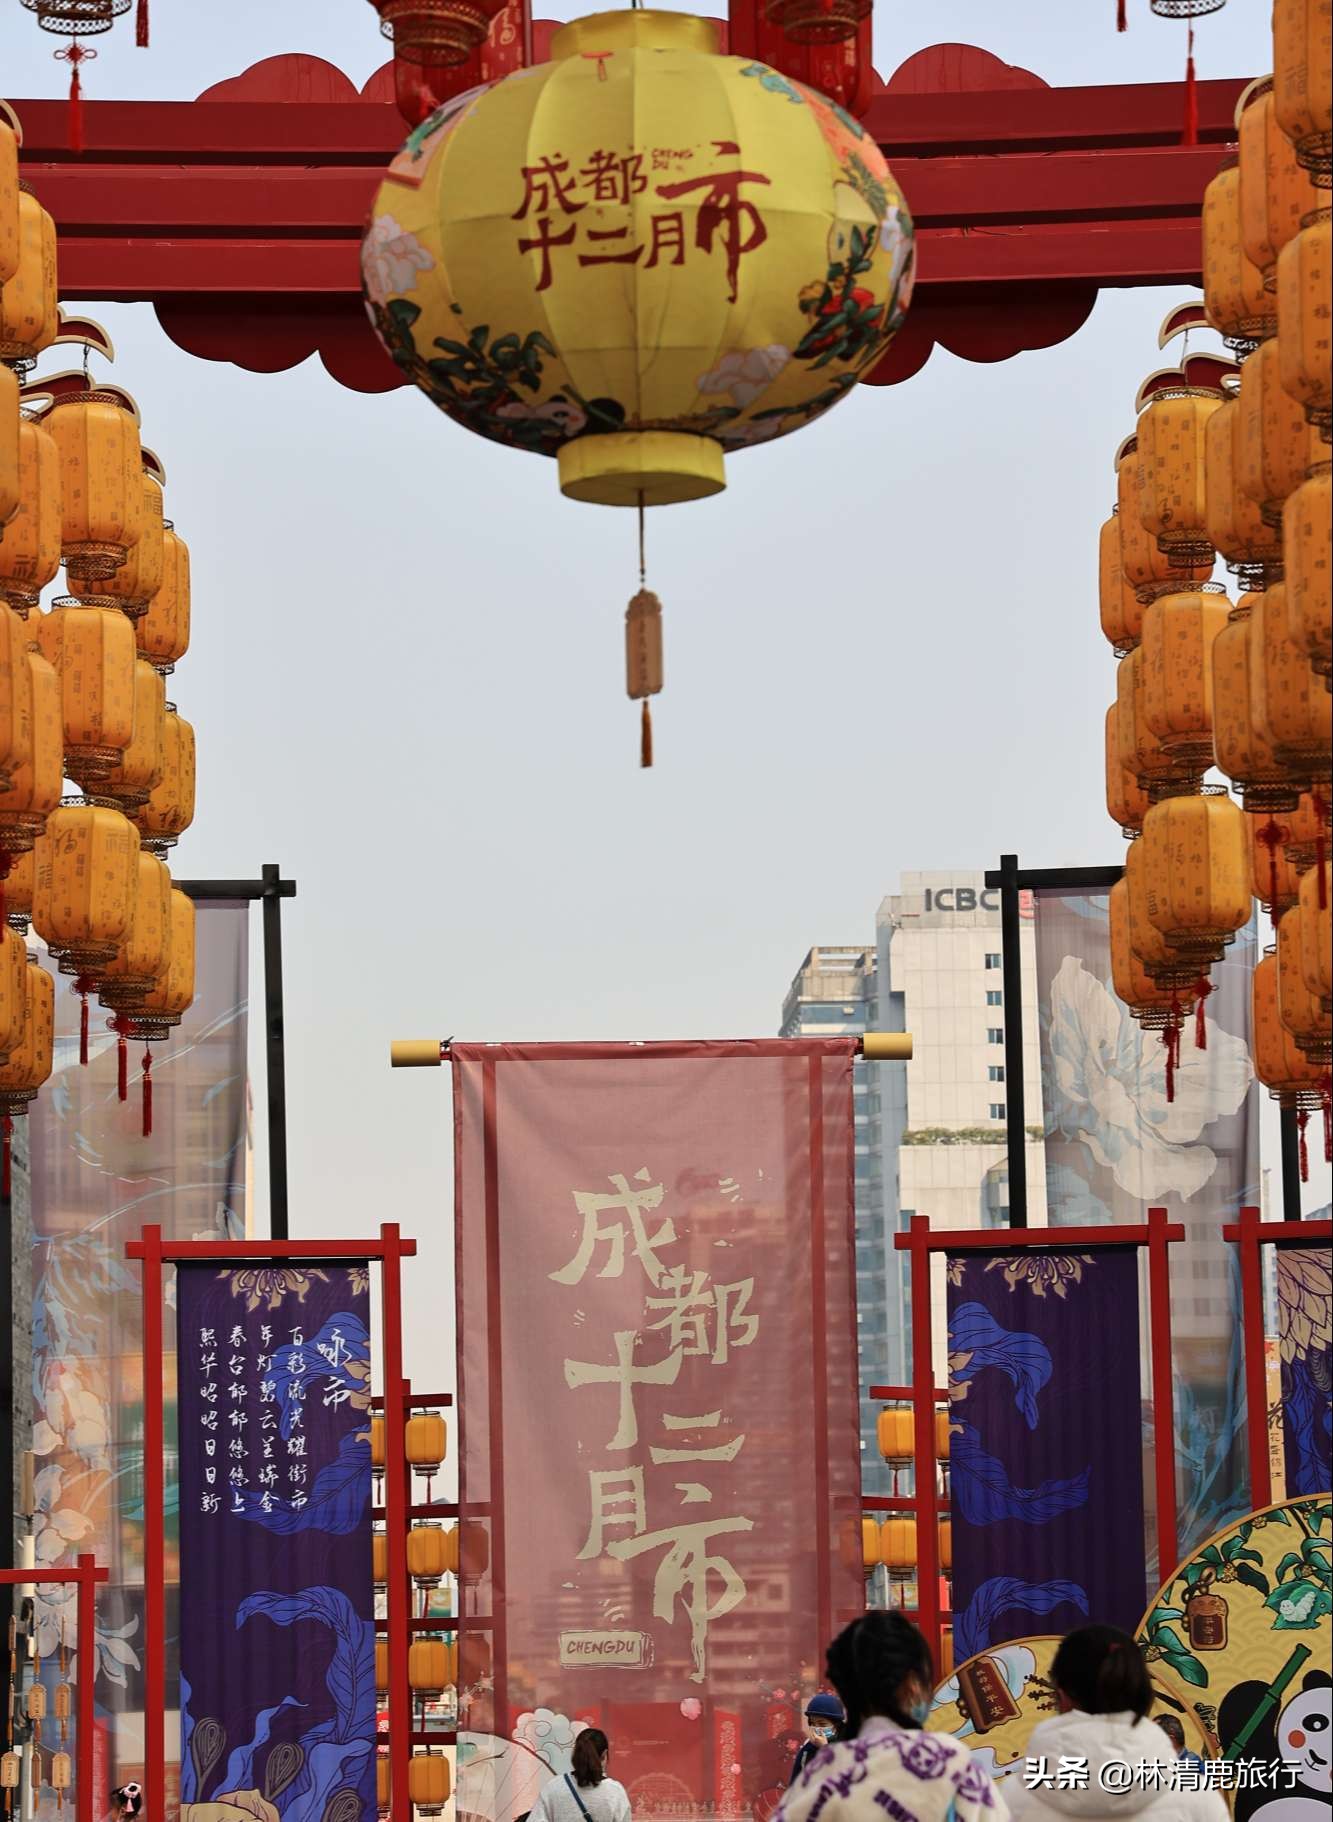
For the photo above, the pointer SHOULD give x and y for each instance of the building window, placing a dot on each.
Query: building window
(995, 1034)
(994, 961)
(994, 997)
(995, 1073)
(997, 1110)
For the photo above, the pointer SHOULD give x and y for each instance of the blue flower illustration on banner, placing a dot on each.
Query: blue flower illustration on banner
(972, 1628)
(1104, 1085)
(976, 1341)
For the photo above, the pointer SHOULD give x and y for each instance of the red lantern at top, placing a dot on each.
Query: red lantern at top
(439, 32)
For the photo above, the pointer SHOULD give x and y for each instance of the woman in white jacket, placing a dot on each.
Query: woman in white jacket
(1101, 1756)
(883, 1768)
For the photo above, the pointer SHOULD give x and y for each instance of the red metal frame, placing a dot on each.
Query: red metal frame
(389, 1250)
(85, 1575)
(1249, 1234)
(1157, 1235)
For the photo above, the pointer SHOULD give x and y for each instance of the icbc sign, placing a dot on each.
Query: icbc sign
(967, 898)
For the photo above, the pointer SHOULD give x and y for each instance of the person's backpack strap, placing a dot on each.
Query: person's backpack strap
(574, 1792)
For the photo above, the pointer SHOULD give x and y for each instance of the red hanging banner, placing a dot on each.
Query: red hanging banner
(660, 1470)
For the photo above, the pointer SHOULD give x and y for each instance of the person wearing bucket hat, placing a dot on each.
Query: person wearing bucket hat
(823, 1718)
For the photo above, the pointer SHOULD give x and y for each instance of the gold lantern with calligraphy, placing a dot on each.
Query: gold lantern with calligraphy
(1276, 192)
(1307, 542)
(171, 995)
(1175, 406)
(35, 780)
(1301, 1010)
(30, 542)
(1197, 872)
(1233, 286)
(1152, 1005)
(1304, 278)
(1242, 749)
(86, 874)
(163, 629)
(638, 257)
(13, 1004)
(1276, 448)
(129, 785)
(1250, 545)
(1288, 703)
(1302, 60)
(1126, 800)
(1145, 568)
(1316, 892)
(1175, 686)
(9, 193)
(1293, 1080)
(96, 430)
(28, 1064)
(169, 811)
(92, 651)
(29, 308)
(1159, 773)
(9, 444)
(428, 1782)
(1120, 609)
(15, 694)
(130, 976)
(139, 577)
(16, 891)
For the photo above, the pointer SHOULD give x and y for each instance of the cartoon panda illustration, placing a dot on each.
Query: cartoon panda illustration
(1301, 1736)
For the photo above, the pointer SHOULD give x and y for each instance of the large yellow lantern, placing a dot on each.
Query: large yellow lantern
(35, 781)
(1233, 286)
(132, 973)
(896, 1435)
(30, 542)
(1196, 859)
(428, 1667)
(29, 1063)
(9, 444)
(1307, 543)
(130, 784)
(1242, 750)
(138, 579)
(1176, 674)
(1300, 1010)
(92, 650)
(428, 1782)
(1317, 932)
(1126, 799)
(1275, 448)
(29, 308)
(161, 1009)
(1162, 964)
(1250, 544)
(1302, 56)
(897, 1547)
(96, 431)
(1175, 407)
(1275, 190)
(1145, 568)
(1292, 1079)
(1152, 1005)
(427, 1554)
(1156, 771)
(15, 694)
(1304, 278)
(1288, 704)
(9, 195)
(169, 811)
(1120, 609)
(163, 629)
(13, 988)
(638, 257)
(84, 881)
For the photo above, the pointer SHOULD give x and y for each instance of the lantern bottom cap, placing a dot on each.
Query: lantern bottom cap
(648, 467)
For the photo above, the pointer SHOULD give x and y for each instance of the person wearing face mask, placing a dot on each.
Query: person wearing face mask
(883, 1766)
(823, 1718)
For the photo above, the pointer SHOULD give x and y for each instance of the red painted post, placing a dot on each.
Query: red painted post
(1256, 1371)
(154, 1523)
(397, 1604)
(85, 1627)
(1163, 1399)
(923, 1413)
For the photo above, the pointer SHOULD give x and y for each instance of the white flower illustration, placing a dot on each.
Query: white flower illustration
(391, 257)
(73, 1416)
(550, 1735)
(1106, 1087)
(746, 373)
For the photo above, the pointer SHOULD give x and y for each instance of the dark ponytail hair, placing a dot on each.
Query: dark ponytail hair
(869, 1662)
(590, 1748)
(1103, 1671)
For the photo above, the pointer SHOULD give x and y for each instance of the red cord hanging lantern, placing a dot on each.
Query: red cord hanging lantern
(441, 32)
(1189, 10)
(76, 20)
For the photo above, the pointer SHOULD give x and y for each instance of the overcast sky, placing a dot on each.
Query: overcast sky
(882, 652)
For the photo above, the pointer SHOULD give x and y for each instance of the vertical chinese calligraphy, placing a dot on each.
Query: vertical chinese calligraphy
(277, 1620)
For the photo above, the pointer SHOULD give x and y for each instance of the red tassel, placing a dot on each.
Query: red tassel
(5, 1173)
(1203, 987)
(1171, 1041)
(76, 141)
(1121, 17)
(1190, 137)
(141, 25)
(1302, 1121)
(122, 1067)
(147, 1093)
(645, 736)
(83, 1024)
(1271, 836)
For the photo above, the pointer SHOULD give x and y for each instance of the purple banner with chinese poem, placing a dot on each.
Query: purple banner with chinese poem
(1044, 1453)
(1305, 1329)
(277, 1615)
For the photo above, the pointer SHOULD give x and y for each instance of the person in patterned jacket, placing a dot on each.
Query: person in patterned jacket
(884, 1768)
